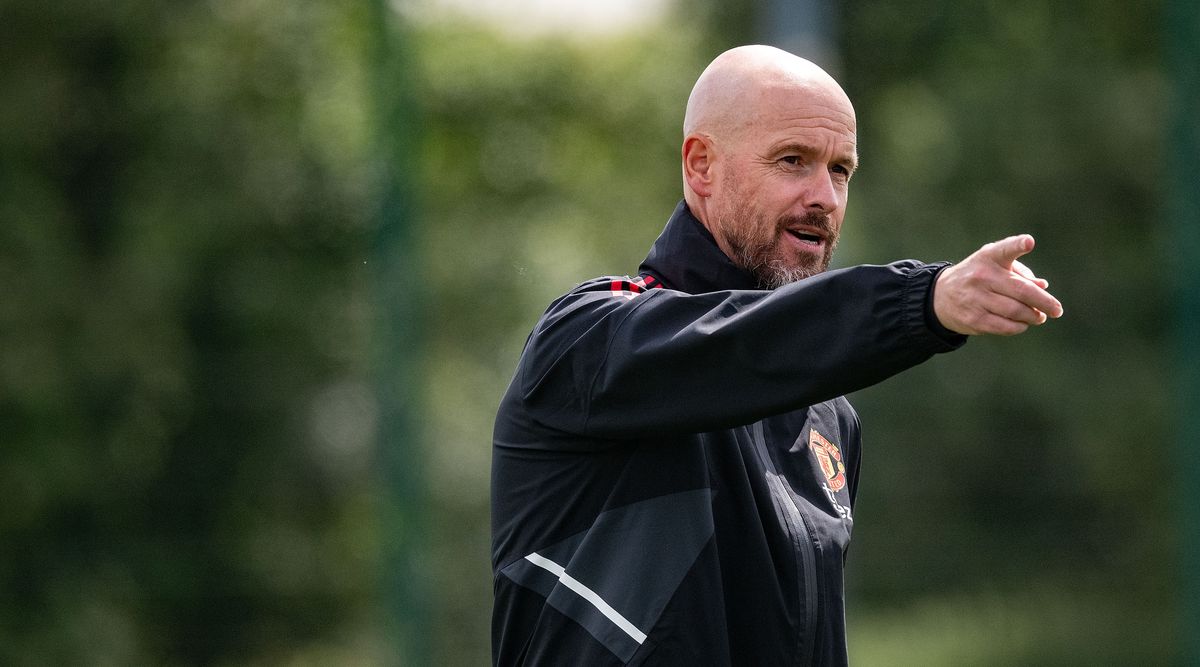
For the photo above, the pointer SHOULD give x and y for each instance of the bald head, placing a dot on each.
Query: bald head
(744, 82)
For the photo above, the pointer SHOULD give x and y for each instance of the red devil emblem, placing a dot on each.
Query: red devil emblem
(829, 457)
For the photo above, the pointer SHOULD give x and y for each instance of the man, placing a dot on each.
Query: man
(674, 468)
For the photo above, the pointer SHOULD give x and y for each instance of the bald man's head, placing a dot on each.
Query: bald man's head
(769, 147)
(737, 84)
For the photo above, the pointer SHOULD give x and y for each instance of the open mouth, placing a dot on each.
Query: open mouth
(807, 237)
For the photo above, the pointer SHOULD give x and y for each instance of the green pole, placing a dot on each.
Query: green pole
(1182, 31)
(397, 306)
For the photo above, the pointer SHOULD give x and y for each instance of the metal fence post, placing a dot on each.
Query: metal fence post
(1181, 28)
(396, 303)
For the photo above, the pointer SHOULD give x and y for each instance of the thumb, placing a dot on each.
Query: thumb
(1006, 251)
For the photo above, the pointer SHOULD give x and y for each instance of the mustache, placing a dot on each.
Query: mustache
(812, 219)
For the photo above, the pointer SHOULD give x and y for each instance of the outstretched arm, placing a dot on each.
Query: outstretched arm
(991, 292)
(671, 362)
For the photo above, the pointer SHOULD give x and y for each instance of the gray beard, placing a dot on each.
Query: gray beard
(772, 272)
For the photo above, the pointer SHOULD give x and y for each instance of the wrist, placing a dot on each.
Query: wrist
(931, 319)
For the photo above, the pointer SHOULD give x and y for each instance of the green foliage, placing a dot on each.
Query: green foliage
(1041, 462)
(184, 413)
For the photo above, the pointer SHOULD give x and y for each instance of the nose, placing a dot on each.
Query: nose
(821, 193)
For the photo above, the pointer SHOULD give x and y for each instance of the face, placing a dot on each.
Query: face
(781, 193)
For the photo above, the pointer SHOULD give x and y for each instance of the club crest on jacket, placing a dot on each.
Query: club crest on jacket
(829, 457)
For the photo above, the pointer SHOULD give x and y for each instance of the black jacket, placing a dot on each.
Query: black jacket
(674, 467)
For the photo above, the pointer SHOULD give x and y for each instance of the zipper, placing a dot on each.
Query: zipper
(797, 528)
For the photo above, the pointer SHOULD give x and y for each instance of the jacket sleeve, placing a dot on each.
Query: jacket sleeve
(607, 366)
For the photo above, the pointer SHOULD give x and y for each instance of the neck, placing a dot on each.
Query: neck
(699, 207)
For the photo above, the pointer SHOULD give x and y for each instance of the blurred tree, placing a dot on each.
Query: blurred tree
(1029, 475)
(184, 411)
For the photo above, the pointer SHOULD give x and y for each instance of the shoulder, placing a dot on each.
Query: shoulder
(627, 287)
(598, 296)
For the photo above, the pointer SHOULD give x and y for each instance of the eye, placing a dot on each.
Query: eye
(841, 170)
(791, 161)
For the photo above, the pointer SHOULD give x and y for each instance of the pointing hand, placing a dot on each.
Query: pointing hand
(990, 292)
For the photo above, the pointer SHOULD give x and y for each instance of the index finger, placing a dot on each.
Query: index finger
(1006, 251)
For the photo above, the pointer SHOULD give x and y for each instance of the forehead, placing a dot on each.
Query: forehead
(805, 113)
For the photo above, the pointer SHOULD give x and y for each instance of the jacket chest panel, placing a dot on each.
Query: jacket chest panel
(810, 454)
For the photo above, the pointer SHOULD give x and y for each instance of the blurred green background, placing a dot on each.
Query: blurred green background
(267, 267)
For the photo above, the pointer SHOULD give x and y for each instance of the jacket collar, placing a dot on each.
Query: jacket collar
(686, 257)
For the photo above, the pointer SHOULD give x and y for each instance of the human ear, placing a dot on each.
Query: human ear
(697, 164)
